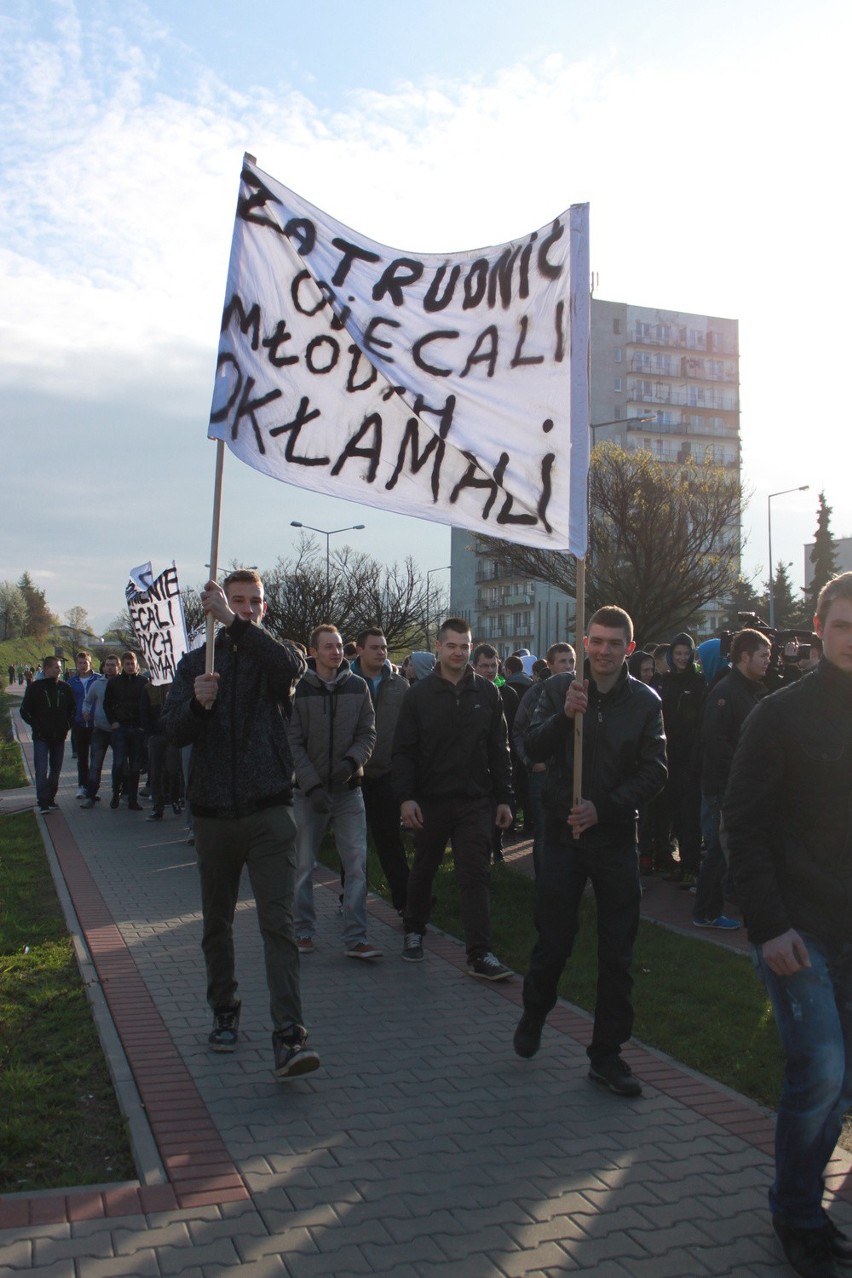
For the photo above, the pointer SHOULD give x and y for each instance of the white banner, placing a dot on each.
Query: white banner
(453, 388)
(158, 620)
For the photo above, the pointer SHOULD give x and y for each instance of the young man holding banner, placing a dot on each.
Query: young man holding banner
(240, 792)
(624, 765)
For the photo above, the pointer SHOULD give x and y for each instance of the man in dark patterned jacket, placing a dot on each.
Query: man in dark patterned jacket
(240, 793)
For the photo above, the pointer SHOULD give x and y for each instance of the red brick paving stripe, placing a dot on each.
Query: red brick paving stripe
(179, 1119)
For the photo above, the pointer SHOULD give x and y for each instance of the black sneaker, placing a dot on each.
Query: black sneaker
(226, 1026)
(616, 1074)
(808, 1251)
(87, 803)
(154, 816)
(489, 968)
(412, 947)
(133, 806)
(527, 1038)
(292, 1057)
(115, 800)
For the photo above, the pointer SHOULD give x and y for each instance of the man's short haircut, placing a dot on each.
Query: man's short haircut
(458, 626)
(483, 650)
(243, 575)
(614, 618)
(325, 629)
(513, 665)
(50, 661)
(838, 588)
(129, 656)
(372, 632)
(555, 648)
(746, 643)
(111, 656)
(83, 653)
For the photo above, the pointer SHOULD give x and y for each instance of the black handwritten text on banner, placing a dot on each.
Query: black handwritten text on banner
(452, 388)
(158, 622)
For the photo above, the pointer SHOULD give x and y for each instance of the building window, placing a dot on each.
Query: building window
(616, 326)
(618, 354)
(616, 385)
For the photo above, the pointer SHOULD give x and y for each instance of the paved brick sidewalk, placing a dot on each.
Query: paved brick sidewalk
(423, 1146)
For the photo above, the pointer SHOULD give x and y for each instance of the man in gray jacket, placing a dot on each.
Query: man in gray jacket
(332, 734)
(240, 794)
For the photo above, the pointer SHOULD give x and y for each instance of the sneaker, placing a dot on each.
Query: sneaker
(808, 1251)
(527, 1038)
(53, 807)
(89, 803)
(305, 944)
(44, 809)
(364, 951)
(154, 816)
(489, 968)
(687, 882)
(412, 947)
(291, 1055)
(133, 806)
(225, 1035)
(114, 801)
(722, 922)
(616, 1074)
(81, 792)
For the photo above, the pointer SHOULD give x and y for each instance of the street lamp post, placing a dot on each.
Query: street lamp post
(445, 568)
(295, 523)
(803, 488)
(620, 421)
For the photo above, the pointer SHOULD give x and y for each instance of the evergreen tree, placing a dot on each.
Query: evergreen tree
(788, 609)
(823, 556)
(39, 616)
(742, 598)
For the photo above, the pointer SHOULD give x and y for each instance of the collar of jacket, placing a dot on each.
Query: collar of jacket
(343, 673)
(467, 678)
(836, 681)
(603, 698)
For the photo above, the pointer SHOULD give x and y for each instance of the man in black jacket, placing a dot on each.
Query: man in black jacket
(240, 793)
(594, 837)
(48, 707)
(728, 705)
(123, 709)
(788, 817)
(452, 778)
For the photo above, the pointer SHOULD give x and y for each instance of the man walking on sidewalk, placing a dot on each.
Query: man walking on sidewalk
(240, 792)
(48, 707)
(81, 733)
(624, 765)
(123, 707)
(788, 818)
(452, 778)
(332, 733)
(95, 715)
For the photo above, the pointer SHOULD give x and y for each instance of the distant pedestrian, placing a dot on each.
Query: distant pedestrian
(48, 707)
(81, 734)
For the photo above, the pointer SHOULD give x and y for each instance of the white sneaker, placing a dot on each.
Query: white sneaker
(81, 792)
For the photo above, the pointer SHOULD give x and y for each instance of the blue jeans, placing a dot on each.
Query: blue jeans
(47, 761)
(101, 742)
(350, 839)
(127, 744)
(710, 889)
(813, 1012)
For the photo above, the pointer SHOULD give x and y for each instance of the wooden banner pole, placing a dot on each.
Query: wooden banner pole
(580, 593)
(214, 551)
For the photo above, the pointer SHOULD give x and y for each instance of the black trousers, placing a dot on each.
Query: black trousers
(566, 867)
(466, 823)
(383, 822)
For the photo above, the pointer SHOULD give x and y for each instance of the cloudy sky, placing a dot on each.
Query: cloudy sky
(709, 140)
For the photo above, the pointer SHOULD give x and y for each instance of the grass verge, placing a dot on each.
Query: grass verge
(700, 1003)
(60, 1124)
(12, 772)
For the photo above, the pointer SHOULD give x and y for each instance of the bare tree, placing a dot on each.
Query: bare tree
(357, 592)
(663, 540)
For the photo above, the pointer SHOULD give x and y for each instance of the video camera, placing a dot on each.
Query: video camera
(787, 647)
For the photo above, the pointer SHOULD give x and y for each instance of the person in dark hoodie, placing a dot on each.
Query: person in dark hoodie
(240, 793)
(682, 691)
(49, 708)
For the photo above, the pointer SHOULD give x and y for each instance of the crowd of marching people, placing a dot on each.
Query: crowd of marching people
(689, 770)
